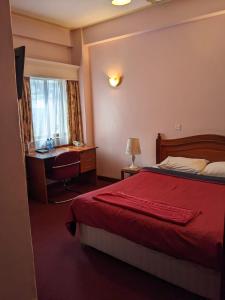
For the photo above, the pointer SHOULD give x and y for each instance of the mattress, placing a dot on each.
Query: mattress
(200, 241)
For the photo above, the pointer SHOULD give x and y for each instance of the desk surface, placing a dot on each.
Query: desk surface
(57, 151)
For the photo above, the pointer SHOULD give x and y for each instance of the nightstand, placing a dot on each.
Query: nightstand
(129, 171)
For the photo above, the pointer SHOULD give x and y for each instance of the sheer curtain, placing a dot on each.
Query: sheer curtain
(49, 110)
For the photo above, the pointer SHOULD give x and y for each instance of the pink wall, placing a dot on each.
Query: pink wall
(42, 40)
(153, 18)
(42, 50)
(16, 258)
(80, 55)
(171, 76)
(40, 30)
(171, 57)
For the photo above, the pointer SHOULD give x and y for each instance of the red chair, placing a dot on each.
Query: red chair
(65, 166)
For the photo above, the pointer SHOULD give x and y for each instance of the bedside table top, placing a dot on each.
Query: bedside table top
(128, 170)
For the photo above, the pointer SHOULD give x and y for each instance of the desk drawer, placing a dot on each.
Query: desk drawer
(88, 161)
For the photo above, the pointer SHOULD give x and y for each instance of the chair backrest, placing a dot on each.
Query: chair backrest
(66, 165)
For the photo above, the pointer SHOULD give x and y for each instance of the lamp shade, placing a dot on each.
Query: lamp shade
(133, 146)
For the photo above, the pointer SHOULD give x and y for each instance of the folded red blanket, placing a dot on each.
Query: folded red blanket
(155, 209)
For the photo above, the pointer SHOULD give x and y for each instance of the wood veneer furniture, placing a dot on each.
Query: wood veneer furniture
(38, 165)
(129, 171)
(191, 276)
(208, 146)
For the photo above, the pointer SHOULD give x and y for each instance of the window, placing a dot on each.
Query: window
(49, 110)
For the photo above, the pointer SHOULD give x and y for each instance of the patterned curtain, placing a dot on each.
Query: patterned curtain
(25, 114)
(74, 108)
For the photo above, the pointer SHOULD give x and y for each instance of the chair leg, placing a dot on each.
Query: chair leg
(62, 201)
(68, 188)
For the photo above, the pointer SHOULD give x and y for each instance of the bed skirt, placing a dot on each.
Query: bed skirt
(197, 279)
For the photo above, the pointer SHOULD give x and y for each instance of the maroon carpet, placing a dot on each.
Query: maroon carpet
(67, 271)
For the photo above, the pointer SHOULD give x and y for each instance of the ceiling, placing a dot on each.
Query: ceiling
(74, 13)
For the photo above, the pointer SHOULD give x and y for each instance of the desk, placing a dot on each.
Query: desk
(38, 164)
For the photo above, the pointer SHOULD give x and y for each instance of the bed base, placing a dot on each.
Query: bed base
(197, 279)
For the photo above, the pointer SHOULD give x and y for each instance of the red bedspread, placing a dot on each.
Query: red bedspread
(162, 211)
(199, 241)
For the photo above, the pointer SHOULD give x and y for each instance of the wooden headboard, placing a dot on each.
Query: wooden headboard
(208, 146)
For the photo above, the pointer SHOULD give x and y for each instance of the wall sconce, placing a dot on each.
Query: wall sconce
(121, 2)
(115, 80)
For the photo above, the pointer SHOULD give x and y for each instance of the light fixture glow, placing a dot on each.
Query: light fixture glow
(121, 2)
(114, 81)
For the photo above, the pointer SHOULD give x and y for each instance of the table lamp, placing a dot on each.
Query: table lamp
(133, 148)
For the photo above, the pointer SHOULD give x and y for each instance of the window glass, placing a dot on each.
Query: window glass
(49, 111)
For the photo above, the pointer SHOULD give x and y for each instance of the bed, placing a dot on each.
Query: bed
(190, 256)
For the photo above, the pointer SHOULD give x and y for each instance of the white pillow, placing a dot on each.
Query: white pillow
(215, 169)
(184, 164)
(155, 166)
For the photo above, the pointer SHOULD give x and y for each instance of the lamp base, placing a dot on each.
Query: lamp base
(133, 167)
